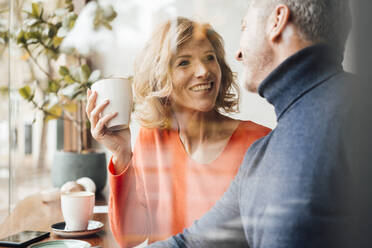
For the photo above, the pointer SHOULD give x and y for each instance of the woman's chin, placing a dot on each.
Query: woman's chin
(206, 109)
(199, 107)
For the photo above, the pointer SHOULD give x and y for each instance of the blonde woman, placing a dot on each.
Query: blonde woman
(187, 152)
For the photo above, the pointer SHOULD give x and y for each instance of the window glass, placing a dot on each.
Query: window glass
(4, 111)
(54, 51)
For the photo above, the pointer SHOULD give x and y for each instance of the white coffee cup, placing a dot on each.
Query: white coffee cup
(119, 92)
(77, 209)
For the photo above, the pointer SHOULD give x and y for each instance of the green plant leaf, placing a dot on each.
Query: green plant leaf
(69, 20)
(107, 25)
(48, 41)
(109, 13)
(84, 72)
(68, 79)
(52, 31)
(41, 13)
(31, 22)
(63, 71)
(57, 41)
(53, 86)
(70, 107)
(103, 17)
(4, 37)
(32, 41)
(94, 76)
(21, 37)
(75, 74)
(51, 54)
(70, 90)
(33, 35)
(71, 23)
(25, 92)
(36, 10)
(4, 90)
(53, 113)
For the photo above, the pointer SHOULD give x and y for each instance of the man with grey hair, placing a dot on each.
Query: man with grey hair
(294, 186)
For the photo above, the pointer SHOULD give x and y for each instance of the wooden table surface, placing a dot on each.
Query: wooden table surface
(32, 213)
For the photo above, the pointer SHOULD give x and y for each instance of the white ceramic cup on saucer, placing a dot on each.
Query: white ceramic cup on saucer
(77, 209)
(119, 92)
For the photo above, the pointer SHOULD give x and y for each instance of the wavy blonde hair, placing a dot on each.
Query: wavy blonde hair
(152, 81)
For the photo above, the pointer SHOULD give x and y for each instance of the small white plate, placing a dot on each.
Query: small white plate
(93, 227)
(67, 243)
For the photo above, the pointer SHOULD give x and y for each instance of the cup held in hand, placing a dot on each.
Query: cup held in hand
(119, 92)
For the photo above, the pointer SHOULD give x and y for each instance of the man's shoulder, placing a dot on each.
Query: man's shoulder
(332, 99)
(339, 83)
(328, 100)
(315, 124)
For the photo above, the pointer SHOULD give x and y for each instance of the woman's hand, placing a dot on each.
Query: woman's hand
(117, 142)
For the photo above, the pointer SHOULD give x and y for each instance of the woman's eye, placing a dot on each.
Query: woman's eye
(210, 57)
(183, 63)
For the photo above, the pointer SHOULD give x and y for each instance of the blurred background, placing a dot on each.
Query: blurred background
(52, 50)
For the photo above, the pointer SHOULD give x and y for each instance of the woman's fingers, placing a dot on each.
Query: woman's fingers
(96, 112)
(100, 127)
(91, 102)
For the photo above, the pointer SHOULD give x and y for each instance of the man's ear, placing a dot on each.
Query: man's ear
(278, 21)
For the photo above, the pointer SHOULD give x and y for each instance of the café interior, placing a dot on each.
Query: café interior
(44, 43)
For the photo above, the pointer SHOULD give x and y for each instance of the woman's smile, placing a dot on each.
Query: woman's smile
(196, 76)
(205, 87)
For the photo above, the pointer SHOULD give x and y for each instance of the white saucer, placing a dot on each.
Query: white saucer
(93, 227)
(68, 243)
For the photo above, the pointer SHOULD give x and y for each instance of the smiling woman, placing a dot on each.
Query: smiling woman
(182, 85)
(174, 42)
(196, 77)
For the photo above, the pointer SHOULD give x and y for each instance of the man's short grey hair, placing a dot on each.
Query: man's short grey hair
(326, 21)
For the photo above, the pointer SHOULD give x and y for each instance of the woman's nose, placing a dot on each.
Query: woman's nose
(201, 70)
(239, 56)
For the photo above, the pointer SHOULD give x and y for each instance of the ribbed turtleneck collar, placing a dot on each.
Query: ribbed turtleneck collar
(299, 74)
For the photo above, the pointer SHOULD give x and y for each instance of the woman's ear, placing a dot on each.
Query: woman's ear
(278, 21)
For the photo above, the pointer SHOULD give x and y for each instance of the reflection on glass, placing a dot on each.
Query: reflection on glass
(171, 181)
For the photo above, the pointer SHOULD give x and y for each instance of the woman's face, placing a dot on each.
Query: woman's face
(196, 76)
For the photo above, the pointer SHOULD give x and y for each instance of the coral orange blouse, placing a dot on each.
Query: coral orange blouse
(164, 190)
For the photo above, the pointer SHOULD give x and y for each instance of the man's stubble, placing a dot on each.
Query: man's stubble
(258, 68)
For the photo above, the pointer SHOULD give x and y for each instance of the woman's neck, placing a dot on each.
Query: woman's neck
(197, 129)
(196, 124)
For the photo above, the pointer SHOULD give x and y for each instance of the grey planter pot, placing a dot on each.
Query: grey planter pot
(70, 166)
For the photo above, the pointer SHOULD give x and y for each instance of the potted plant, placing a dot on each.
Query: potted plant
(61, 94)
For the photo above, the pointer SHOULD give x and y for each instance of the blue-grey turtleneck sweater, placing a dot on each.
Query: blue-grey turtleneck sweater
(293, 186)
